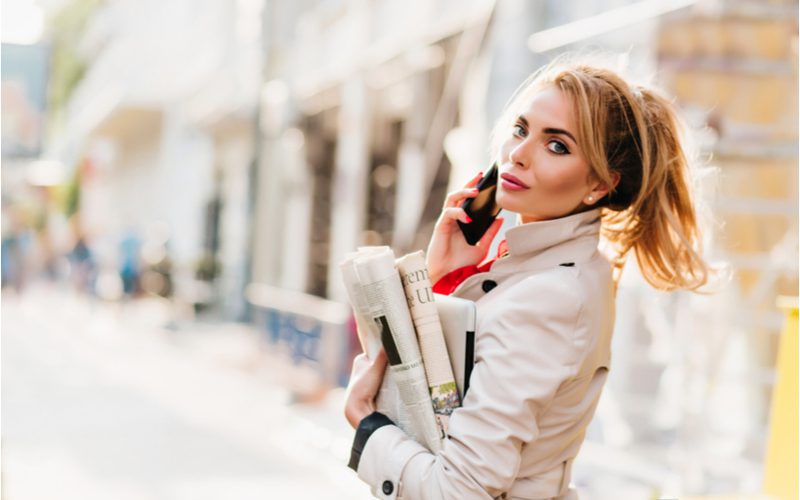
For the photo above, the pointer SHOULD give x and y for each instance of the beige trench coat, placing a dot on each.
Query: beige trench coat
(541, 359)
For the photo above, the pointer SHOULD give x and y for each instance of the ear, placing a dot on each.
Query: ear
(600, 189)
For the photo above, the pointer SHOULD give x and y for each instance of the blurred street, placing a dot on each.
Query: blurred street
(103, 401)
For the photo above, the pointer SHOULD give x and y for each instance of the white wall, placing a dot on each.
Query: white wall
(184, 185)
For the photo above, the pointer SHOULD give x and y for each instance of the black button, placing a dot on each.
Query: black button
(387, 487)
(488, 285)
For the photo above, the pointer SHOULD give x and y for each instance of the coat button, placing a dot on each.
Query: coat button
(387, 487)
(488, 285)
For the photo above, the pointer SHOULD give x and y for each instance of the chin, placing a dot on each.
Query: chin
(507, 204)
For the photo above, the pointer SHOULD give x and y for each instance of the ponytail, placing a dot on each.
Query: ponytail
(660, 225)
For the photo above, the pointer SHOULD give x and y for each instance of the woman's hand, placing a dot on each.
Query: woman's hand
(449, 249)
(365, 382)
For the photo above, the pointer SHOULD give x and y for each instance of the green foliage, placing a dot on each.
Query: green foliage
(66, 28)
(68, 70)
(73, 199)
(67, 196)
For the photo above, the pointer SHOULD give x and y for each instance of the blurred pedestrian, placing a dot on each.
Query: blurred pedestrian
(595, 168)
(16, 244)
(129, 263)
(83, 266)
(11, 255)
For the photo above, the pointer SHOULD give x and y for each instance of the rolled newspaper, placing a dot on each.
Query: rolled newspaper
(438, 369)
(383, 292)
(369, 335)
(388, 399)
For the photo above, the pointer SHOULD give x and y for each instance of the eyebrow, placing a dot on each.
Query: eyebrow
(549, 130)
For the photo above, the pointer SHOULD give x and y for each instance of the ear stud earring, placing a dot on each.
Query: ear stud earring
(591, 198)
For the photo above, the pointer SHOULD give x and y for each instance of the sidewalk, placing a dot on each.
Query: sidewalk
(105, 402)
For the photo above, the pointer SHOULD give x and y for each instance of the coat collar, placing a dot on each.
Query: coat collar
(568, 239)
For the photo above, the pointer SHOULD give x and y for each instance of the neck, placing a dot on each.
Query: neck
(525, 218)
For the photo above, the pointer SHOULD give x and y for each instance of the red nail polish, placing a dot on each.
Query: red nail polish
(469, 219)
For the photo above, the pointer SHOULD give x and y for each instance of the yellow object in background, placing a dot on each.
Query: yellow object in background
(780, 465)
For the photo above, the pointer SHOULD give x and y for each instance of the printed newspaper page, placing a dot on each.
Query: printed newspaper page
(383, 291)
(438, 370)
(369, 334)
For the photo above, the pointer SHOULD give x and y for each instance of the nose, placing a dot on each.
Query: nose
(519, 154)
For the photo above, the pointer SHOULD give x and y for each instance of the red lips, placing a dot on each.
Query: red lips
(514, 181)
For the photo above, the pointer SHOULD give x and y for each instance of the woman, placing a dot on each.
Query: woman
(585, 159)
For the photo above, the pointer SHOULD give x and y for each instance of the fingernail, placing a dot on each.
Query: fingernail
(469, 219)
(475, 190)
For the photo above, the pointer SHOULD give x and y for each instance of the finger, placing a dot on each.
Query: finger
(474, 181)
(361, 365)
(376, 372)
(360, 362)
(488, 236)
(456, 197)
(456, 213)
(380, 362)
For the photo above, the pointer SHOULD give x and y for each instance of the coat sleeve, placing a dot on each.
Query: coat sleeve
(526, 350)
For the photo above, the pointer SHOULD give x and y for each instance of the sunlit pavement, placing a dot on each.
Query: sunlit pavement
(102, 401)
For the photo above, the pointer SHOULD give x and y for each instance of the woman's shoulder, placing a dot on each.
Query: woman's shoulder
(559, 283)
(572, 282)
(562, 294)
(552, 296)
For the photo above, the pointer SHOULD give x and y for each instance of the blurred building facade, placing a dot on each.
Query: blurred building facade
(737, 68)
(733, 66)
(163, 122)
(24, 83)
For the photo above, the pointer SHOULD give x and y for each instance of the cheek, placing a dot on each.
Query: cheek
(566, 179)
(505, 150)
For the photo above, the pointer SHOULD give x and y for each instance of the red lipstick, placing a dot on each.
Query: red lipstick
(512, 183)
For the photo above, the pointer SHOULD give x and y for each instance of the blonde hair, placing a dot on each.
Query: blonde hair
(636, 132)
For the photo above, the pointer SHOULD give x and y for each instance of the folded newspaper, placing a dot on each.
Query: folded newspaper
(393, 304)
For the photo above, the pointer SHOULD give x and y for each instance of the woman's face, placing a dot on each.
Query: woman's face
(543, 172)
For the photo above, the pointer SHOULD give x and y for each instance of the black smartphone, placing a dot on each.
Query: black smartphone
(482, 209)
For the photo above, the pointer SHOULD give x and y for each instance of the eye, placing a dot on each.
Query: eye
(557, 147)
(519, 130)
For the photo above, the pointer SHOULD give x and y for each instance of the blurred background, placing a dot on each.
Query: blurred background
(181, 178)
